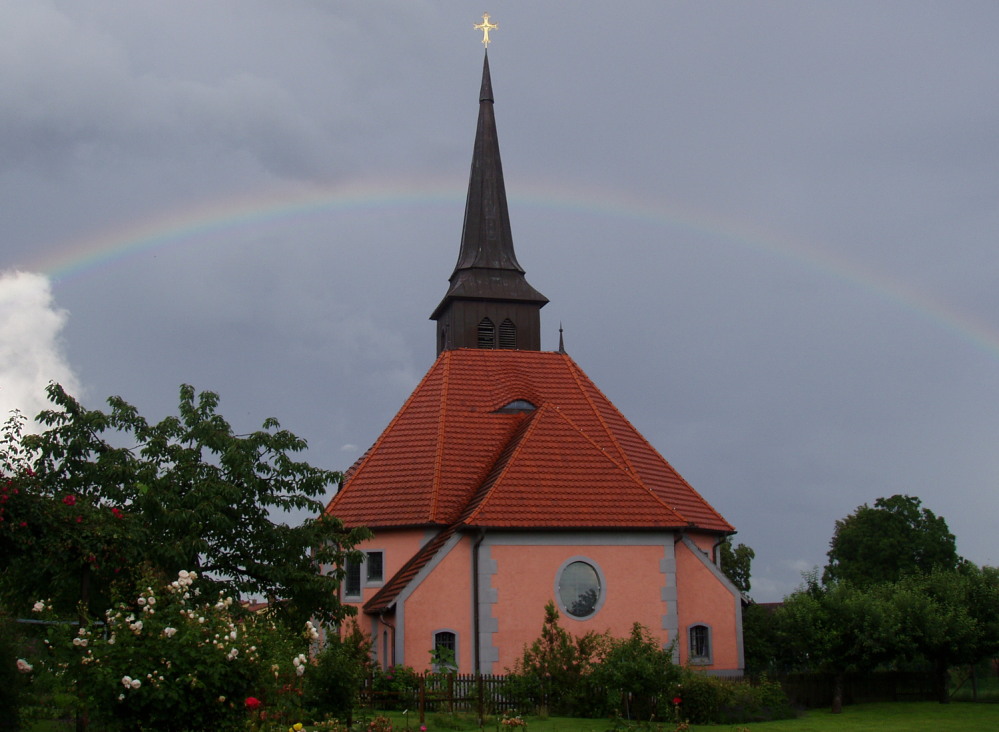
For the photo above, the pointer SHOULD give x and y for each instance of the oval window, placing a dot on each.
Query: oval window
(579, 589)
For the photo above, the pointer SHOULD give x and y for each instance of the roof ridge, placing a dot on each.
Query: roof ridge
(366, 458)
(652, 447)
(628, 470)
(505, 457)
(576, 371)
(441, 421)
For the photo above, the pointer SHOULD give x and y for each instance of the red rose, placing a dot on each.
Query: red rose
(253, 702)
(677, 700)
(69, 500)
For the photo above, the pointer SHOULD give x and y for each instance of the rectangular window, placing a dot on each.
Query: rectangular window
(352, 582)
(700, 643)
(375, 569)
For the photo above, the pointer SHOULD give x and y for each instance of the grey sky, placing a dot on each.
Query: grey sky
(767, 227)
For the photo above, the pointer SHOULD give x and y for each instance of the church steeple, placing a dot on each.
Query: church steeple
(489, 303)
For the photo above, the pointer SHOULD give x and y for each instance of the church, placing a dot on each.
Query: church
(508, 480)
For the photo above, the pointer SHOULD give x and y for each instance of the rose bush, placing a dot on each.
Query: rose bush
(169, 657)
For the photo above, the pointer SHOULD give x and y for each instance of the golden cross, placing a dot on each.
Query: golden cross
(485, 26)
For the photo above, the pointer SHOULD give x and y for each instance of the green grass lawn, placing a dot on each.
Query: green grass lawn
(883, 717)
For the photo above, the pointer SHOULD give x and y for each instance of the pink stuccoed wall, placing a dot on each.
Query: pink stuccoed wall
(443, 601)
(525, 581)
(703, 599)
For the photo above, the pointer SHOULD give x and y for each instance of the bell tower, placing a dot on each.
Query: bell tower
(489, 303)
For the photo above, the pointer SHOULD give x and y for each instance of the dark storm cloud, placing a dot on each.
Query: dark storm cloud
(775, 138)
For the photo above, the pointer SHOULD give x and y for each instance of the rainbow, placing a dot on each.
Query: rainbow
(76, 258)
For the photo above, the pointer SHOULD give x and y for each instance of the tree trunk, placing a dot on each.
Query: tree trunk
(837, 699)
(943, 694)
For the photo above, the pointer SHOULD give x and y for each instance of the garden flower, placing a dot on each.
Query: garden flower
(169, 632)
(126, 681)
(136, 683)
(69, 500)
(38, 607)
(24, 667)
(677, 700)
(252, 702)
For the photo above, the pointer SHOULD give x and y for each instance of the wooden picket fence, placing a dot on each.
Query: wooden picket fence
(466, 693)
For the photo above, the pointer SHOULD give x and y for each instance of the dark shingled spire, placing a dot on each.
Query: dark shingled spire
(488, 283)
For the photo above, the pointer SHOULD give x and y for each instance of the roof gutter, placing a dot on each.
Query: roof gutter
(476, 660)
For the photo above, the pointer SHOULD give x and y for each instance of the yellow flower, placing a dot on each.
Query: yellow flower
(297, 727)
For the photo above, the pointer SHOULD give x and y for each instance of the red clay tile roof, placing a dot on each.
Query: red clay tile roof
(450, 457)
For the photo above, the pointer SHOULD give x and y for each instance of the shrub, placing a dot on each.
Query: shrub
(713, 700)
(15, 672)
(332, 686)
(636, 672)
(552, 674)
(395, 687)
(169, 658)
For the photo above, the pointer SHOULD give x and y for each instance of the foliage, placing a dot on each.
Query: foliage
(712, 700)
(395, 687)
(186, 493)
(837, 628)
(761, 646)
(885, 542)
(171, 657)
(332, 686)
(949, 618)
(552, 672)
(635, 671)
(15, 673)
(736, 563)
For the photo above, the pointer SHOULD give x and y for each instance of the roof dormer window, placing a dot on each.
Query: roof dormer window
(517, 405)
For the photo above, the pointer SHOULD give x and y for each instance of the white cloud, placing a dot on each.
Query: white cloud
(30, 348)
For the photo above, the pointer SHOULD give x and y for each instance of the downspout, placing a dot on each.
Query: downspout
(476, 661)
(387, 624)
(714, 551)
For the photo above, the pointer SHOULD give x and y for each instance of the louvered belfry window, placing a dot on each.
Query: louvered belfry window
(487, 334)
(508, 335)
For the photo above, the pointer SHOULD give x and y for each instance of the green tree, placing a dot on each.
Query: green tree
(736, 562)
(885, 542)
(837, 628)
(759, 637)
(100, 493)
(948, 618)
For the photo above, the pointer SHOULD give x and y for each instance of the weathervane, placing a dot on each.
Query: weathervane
(485, 26)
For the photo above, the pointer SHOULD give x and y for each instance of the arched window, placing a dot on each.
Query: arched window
(700, 644)
(487, 334)
(579, 587)
(508, 335)
(445, 657)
